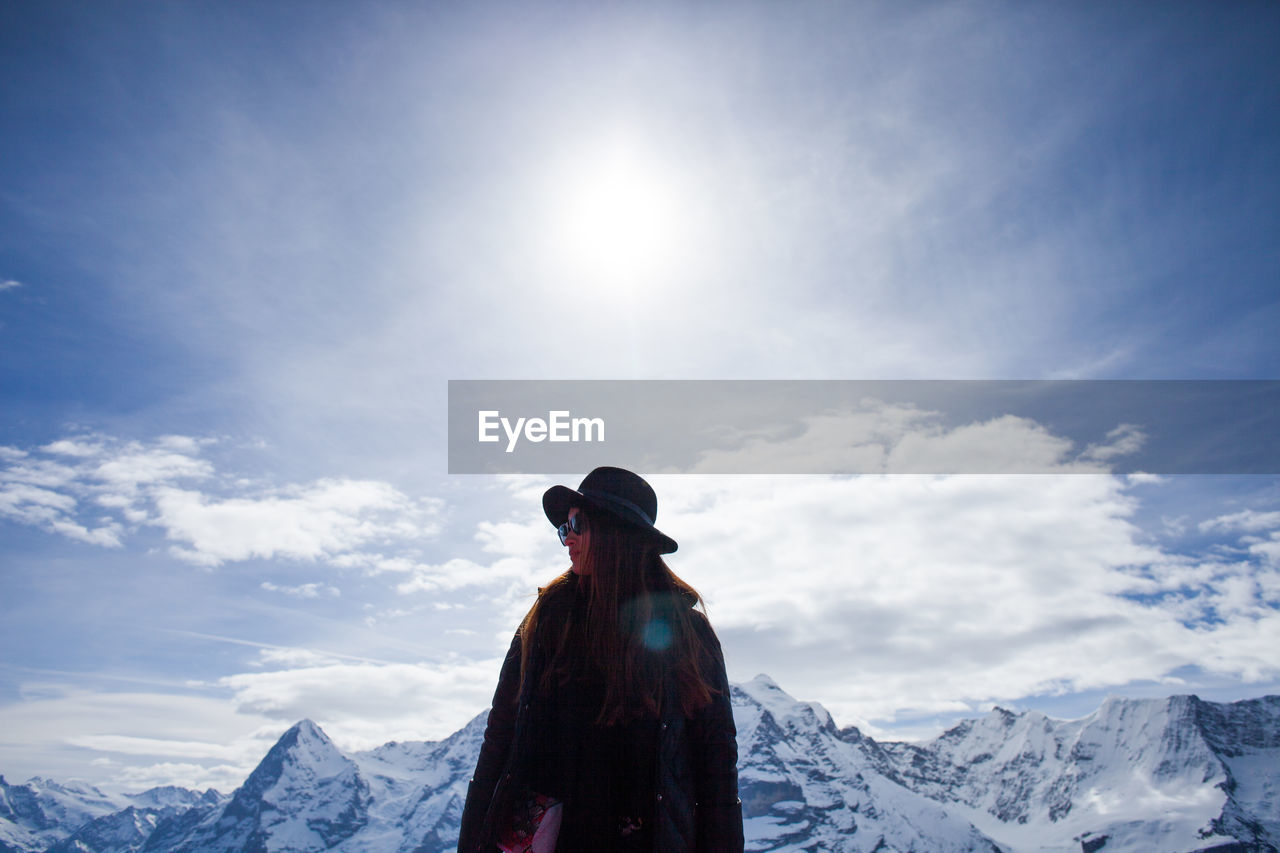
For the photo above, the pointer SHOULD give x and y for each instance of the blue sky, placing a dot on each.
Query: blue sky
(244, 247)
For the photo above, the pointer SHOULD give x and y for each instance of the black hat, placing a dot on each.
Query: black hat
(621, 493)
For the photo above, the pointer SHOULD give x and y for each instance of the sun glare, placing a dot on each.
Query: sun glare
(619, 216)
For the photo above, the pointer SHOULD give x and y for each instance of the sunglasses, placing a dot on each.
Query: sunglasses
(576, 524)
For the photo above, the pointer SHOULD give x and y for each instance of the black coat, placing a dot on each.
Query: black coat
(695, 784)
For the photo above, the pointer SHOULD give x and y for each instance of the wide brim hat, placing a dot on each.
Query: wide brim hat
(620, 493)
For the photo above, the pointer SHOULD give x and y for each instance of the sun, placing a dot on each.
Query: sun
(620, 215)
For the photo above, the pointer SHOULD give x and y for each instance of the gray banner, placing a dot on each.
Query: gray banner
(865, 426)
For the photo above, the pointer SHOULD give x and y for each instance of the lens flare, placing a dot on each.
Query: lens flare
(657, 636)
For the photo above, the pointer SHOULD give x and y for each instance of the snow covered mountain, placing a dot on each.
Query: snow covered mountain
(806, 786)
(307, 795)
(43, 815)
(128, 830)
(1153, 774)
(1174, 775)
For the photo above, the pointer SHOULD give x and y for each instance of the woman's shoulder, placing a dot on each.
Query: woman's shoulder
(675, 602)
(702, 627)
(683, 607)
(557, 598)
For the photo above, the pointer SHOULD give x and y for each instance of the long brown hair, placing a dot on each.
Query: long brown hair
(639, 620)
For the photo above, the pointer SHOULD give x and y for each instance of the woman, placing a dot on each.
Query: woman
(611, 728)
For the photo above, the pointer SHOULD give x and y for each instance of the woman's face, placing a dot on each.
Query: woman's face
(577, 544)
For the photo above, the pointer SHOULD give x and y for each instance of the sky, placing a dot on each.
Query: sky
(244, 247)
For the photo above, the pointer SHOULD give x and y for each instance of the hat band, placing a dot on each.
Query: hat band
(614, 499)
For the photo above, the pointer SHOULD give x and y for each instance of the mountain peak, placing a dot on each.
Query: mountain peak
(303, 747)
(307, 728)
(782, 706)
(305, 793)
(765, 692)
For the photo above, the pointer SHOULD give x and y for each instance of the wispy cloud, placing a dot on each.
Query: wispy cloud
(364, 704)
(306, 590)
(100, 490)
(1250, 526)
(270, 653)
(1124, 440)
(316, 521)
(894, 438)
(137, 739)
(9, 284)
(1246, 521)
(131, 745)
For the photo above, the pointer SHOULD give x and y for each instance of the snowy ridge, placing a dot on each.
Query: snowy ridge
(1175, 775)
(1145, 774)
(42, 815)
(305, 795)
(422, 788)
(804, 787)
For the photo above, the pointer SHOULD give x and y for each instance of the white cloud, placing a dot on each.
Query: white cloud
(70, 447)
(1251, 522)
(184, 443)
(903, 594)
(526, 554)
(197, 777)
(459, 573)
(374, 564)
(107, 536)
(210, 518)
(9, 284)
(133, 745)
(1248, 520)
(855, 441)
(321, 520)
(61, 726)
(197, 739)
(889, 438)
(25, 498)
(1121, 441)
(1269, 549)
(363, 705)
(1006, 443)
(292, 657)
(40, 507)
(135, 466)
(39, 472)
(306, 590)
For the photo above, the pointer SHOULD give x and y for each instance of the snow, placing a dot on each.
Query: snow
(1175, 774)
(1141, 772)
(37, 813)
(1258, 787)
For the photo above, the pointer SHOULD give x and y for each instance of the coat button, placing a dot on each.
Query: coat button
(659, 798)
